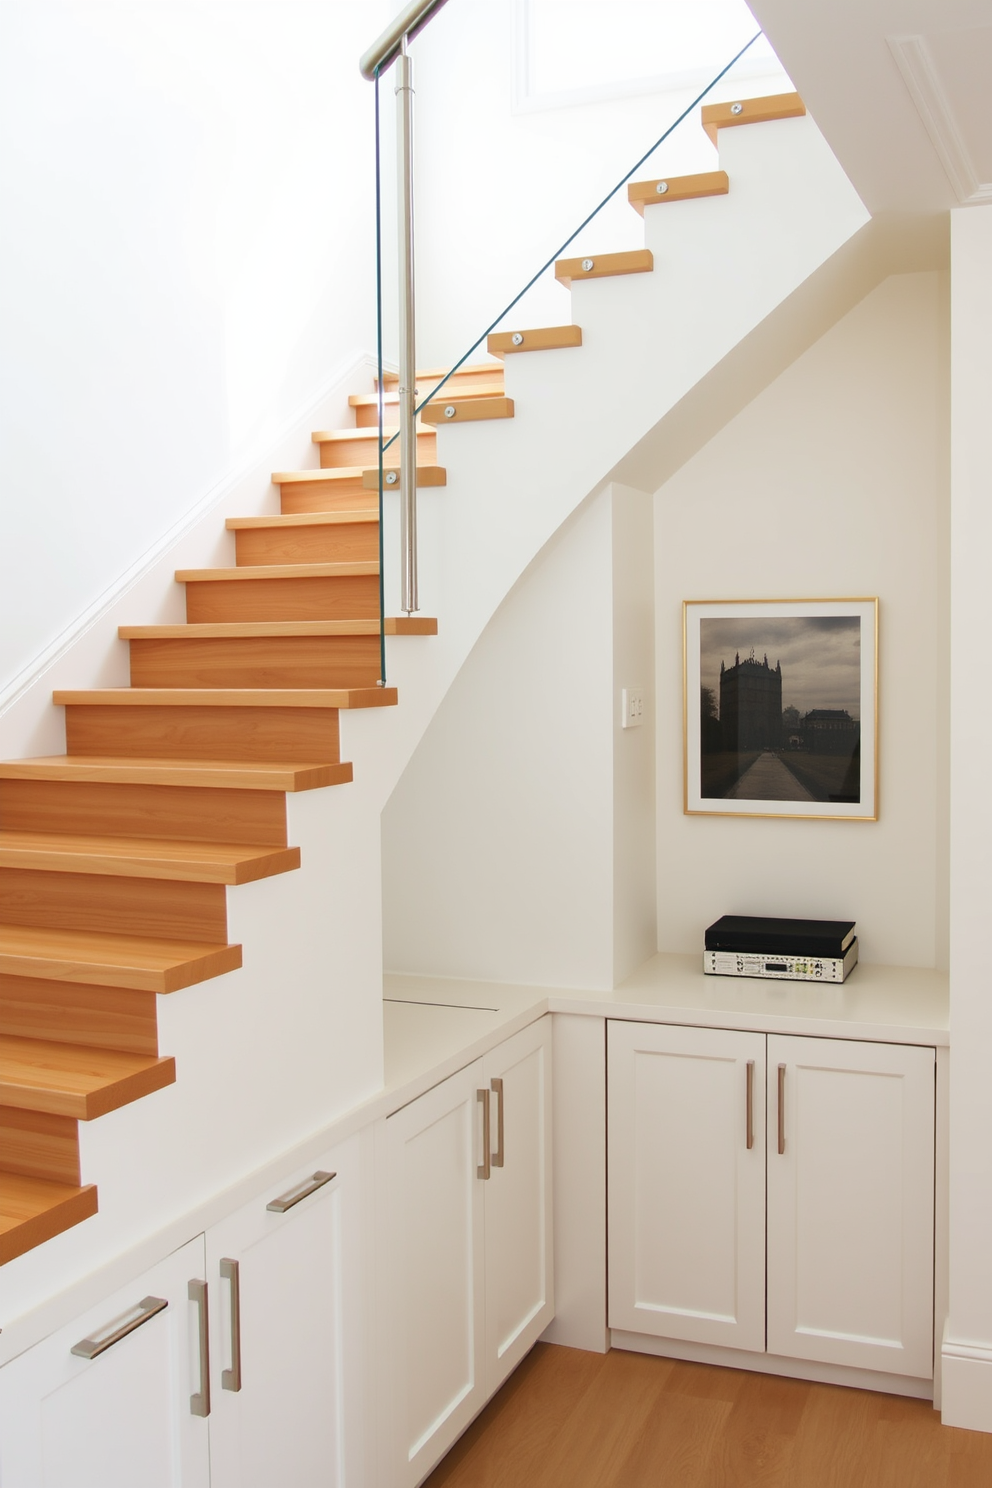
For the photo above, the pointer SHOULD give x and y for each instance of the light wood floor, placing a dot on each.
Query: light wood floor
(573, 1420)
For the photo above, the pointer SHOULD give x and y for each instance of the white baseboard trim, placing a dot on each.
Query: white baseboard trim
(254, 459)
(966, 1389)
(804, 1369)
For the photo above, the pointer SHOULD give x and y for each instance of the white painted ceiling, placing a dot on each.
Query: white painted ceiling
(902, 89)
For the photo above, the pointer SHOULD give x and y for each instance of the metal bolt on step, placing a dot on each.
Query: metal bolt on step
(588, 263)
(736, 108)
(391, 478)
(661, 187)
(449, 412)
(517, 338)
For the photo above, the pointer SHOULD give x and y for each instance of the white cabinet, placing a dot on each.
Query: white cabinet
(284, 1274)
(687, 1183)
(242, 1367)
(122, 1417)
(850, 1203)
(838, 1141)
(465, 1246)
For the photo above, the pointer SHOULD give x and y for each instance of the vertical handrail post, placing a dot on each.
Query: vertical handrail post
(408, 356)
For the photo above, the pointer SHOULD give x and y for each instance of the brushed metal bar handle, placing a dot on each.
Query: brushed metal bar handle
(301, 1191)
(199, 1403)
(781, 1109)
(484, 1170)
(750, 1104)
(496, 1086)
(118, 1328)
(230, 1379)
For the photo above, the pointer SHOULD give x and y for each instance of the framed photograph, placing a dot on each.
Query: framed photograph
(780, 708)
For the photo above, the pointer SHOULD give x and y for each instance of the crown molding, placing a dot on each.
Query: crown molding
(921, 75)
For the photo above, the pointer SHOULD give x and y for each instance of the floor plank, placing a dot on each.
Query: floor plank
(624, 1420)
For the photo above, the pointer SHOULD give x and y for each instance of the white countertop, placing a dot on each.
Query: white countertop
(881, 1004)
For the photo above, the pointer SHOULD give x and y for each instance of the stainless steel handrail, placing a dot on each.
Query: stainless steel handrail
(390, 44)
(391, 47)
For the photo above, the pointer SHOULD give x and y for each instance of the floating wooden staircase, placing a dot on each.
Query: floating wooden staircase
(116, 858)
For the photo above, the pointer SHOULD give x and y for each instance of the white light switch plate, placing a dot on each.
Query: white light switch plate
(632, 715)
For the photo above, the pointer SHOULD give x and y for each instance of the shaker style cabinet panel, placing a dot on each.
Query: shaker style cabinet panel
(841, 1266)
(430, 1222)
(117, 1398)
(686, 1188)
(284, 1272)
(850, 1203)
(518, 1234)
(463, 1217)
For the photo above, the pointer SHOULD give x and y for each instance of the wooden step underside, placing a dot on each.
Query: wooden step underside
(75, 1081)
(466, 410)
(542, 338)
(667, 189)
(751, 111)
(147, 965)
(604, 266)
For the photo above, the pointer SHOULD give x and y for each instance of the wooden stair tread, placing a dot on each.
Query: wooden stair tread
(643, 194)
(540, 338)
(274, 775)
(330, 436)
(33, 1210)
(604, 265)
(275, 571)
(76, 1080)
(303, 519)
(466, 410)
(751, 111)
(144, 857)
(97, 959)
(427, 374)
(247, 629)
(338, 473)
(229, 697)
(493, 389)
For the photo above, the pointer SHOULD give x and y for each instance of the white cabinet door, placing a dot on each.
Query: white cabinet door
(430, 1222)
(850, 1203)
(686, 1188)
(519, 1239)
(282, 1279)
(122, 1418)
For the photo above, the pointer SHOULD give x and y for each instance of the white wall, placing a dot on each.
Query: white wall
(832, 482)
(967, 1353)
(504, 180)
(518, 844)
(187, 259)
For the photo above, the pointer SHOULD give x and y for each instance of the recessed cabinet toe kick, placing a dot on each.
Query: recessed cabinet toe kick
(773, 1195)
(463, 1179)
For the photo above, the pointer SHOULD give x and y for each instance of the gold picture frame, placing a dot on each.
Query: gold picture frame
(780, 708)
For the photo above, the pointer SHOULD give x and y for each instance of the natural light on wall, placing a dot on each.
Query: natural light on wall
(577, 51)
